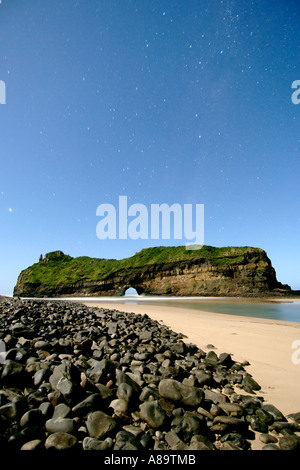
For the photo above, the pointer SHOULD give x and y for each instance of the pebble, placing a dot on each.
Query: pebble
(76, 377)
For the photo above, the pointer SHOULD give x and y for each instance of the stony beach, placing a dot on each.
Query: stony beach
(78, 377)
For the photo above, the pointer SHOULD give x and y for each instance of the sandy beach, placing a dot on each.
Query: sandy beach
(266, 344)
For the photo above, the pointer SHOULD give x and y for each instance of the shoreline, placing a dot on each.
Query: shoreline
(266, 344)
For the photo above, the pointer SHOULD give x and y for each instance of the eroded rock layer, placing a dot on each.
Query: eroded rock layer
(228, 271)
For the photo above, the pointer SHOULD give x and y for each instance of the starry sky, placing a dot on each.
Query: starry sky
(163, 101)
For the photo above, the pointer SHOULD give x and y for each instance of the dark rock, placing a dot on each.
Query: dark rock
(289, 442)
(272, 410)
(191, 425)
(31, 418)
(249, 384)
(199, 442)
(12, 373)
(294, 416)
(267, 438)
(270, 447)
(153, 414)
(236, 439)
(177, 392)
(126, 441)
(92, 403)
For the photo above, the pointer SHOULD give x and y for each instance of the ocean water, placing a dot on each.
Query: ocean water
(275, 310)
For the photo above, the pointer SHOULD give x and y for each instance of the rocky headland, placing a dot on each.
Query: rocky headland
(86, 378)
(227, 271)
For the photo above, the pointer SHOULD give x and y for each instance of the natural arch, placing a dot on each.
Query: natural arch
(131, 291)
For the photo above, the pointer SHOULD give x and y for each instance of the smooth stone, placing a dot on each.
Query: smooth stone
(267, 438)
(65, 425)
(125, 391)
(192, 424)
(120, 407)
(270, 447)
(249, 384)
(99, 423)
(272, 410)
(35, 444)
(31, 418)
(289, 442)
(295, 417)
(60, 441)
(173, 390)
(62, 410)
(153, 414)
(91, 443)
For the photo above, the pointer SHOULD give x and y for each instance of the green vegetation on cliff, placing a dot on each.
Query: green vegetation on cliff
(57, 269)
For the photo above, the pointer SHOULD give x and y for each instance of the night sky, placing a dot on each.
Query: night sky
(186, 102)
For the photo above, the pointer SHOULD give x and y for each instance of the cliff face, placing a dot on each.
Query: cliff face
(229, 271)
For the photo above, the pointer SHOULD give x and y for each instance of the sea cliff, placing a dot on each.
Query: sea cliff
(211, 271)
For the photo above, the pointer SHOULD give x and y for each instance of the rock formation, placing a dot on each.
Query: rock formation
(227, 271)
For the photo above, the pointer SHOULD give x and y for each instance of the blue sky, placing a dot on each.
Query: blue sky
(162, 101)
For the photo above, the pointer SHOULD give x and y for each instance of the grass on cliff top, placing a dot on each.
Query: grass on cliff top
(64, 269)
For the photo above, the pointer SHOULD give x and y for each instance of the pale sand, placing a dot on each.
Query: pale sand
(265, 343)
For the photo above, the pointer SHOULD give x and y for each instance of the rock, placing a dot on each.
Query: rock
(100, 371)
(36, 444)
(99, 423)
(32, 417)
(236, 439)
(267, 438)
(289, 442)
(92, 403)
(232, 409)
(174, 442)
(294, 416)
(199, 442)
(272, 410)
(249, 384)
(228, 445)
(120, 407)
(60, 441)
(126, 441)
(90, 443)
(12, 372)
(125, 391)
(175, 391)
(235, 424)
(153, 414)
(191, 425)
(270, 447)
(64, 425)
(64, 379)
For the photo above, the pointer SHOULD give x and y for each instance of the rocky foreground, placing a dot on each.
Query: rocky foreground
(76, 377)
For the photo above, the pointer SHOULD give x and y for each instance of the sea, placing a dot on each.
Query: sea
(283, 310)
